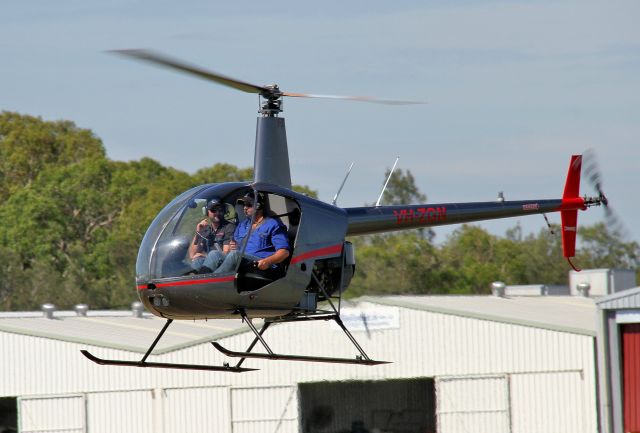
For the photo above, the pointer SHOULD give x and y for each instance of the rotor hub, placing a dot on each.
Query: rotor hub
(596, 201)
(271, 101)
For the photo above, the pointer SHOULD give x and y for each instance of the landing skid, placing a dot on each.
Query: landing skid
(144, 364)
(362, 359)
(279, 357)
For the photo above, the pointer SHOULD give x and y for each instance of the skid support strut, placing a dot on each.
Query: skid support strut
(362, 359)
(143, 362)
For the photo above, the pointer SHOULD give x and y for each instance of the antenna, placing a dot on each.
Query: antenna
(335, 197)
(388, 179)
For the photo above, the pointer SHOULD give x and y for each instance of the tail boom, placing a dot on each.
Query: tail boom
(379, 219)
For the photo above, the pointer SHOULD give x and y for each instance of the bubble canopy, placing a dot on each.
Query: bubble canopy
(164, 252)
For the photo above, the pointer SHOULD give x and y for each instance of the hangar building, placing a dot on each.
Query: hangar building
(459, 364)
(619, 356)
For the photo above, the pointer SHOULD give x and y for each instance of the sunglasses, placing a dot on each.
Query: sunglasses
(216, 210)
(248, 205)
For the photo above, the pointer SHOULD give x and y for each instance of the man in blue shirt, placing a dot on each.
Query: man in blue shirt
(268, 243)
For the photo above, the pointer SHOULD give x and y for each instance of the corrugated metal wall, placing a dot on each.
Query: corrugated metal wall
(62, 414)
(196, 410)
(121, 411)
(264, 409)
(627, 299)
(426, 345)
(631, 376)
(545, 402)
(473, 404)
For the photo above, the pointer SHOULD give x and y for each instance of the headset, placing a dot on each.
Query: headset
(258, 199)
(259, 203)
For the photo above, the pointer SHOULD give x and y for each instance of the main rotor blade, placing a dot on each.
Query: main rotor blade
(266, 91)
(178, 65)
(353, 98)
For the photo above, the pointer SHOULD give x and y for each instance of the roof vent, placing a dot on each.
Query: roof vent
(583, 289)
(137, 308)
(48, 310)
(81, 310)
(498, 288)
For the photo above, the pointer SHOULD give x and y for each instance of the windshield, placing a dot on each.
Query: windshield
(184, 229)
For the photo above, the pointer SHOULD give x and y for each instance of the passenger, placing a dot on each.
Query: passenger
(212, 239)
(268, 244)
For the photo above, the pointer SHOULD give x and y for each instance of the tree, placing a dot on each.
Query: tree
(222, 172)
(80, 225)
(473, 253)
(398, 262)
(602, 247)
(28, 145)
(402, 189)
(404, 263)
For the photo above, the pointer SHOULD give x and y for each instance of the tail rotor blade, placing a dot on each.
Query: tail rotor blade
(615, 223)
(592, 171)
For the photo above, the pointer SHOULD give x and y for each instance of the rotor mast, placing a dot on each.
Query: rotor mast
(271, 155)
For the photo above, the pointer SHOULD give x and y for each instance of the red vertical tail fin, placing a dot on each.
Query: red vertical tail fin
(571, 202)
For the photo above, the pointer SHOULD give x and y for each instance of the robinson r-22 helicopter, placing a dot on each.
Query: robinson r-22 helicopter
(321, 262)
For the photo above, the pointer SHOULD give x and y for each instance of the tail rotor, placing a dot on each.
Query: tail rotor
(594, 177)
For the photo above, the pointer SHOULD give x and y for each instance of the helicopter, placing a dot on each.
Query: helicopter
(321, 262)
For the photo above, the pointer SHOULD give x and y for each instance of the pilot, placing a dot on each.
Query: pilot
(212, 239)
(268, 243)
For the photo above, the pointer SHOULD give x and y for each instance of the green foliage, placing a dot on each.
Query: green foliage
(471, 259)
(222, 172)
(400, 263)
(603, 247)
(304, 189)
(28, 145)
(402, 189)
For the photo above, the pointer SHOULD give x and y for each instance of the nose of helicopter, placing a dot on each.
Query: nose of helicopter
(182, 232)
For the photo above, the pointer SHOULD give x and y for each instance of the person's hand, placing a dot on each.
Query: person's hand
(263, 264)
(202, 225)
(233, 245)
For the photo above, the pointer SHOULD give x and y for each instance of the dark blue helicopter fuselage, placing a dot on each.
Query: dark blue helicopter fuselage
(168, 287)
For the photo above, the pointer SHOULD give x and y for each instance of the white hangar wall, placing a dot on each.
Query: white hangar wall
(489, 375)
(547, 377)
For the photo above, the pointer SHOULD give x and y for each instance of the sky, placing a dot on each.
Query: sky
(513, 88)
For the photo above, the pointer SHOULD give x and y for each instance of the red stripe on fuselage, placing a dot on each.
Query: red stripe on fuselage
(335, 249)
(191, 282)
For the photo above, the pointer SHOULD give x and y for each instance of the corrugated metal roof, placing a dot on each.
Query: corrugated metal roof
(629, 298)
(572, 314)
(113, 330)
(120, 330)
